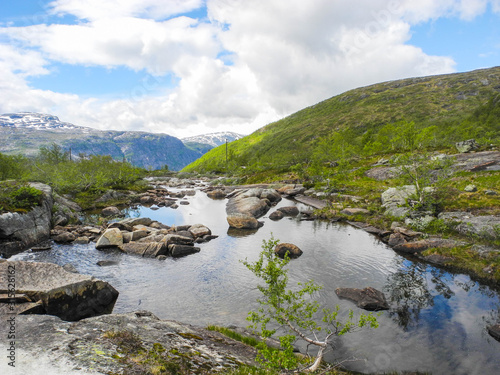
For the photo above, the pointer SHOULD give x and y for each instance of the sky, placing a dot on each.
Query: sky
(189, 67)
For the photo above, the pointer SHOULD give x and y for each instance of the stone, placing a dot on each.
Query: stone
(283, 249)
(394, 200)
(177, 239)
(369, 298)
(271, 194)
(64, 237)
(422, 245)
(106, 263)
(216, 194)
(396, 239)
(485, 227)
(276, 215)
(137, 221)
(242, 221)
(466, 146)
(470, 188)
(177, 251)
(289, 210)
(83, 240)
(199, 230)
(147, 250)
(490, 192)
(494, 331)
(20, 231)
(111, 211)
(295, 191)
(70, 268)
(59, 347)
(70, 296)
(111, 238)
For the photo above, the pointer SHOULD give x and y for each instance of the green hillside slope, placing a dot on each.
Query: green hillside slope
(434, 111)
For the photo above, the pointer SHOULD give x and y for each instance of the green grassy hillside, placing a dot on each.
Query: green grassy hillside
(430, 112)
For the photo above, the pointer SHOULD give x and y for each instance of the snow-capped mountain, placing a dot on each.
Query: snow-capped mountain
(35, 121)
(25, 132)
(213, 139)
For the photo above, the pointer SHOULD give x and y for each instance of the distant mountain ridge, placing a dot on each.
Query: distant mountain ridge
(24, 133)
(213, 139)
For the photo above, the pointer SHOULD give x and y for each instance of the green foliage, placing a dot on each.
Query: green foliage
(426, 113)
(53, 154)
(294, 312)
(16, 196)
(12, 167)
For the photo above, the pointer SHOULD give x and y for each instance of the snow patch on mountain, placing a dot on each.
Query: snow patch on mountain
(32, 120)
(213, 139)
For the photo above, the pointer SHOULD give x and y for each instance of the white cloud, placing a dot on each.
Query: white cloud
(283, 56)
(97, 9)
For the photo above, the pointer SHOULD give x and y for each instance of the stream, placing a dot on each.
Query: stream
(437, 322)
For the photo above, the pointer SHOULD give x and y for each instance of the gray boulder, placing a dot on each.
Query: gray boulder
(369, 298)
(289, 210)
(68, 295)
(177, 251)
(466, 146)
(111, 238)
(245, 206)
(394, 200)
(276, 215)
(147, 250)
(467, 224)
(20, 231)
(111, 211)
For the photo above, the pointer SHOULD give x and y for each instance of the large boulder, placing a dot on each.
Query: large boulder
(369, 298)
(20, 231)
(478, 226)
(111, 238)
(178, 251)
(245, 206)
(242, 221)
(199, 230)
(394, 200)
(68, 295)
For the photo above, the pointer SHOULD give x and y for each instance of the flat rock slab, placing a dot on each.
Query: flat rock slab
(310, 201)
(92, 346)
(70, 296)
(369, 298)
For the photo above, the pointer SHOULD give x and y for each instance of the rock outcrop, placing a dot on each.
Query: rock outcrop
(369, 298)
(133, 343)
(47, 288)
(20, 231)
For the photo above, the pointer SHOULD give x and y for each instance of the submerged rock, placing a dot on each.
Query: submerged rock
(369, 298)
(70, 296)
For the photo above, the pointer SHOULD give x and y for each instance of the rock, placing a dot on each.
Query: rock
(354, 211)
(394, 200)
(136, 221)
(83, 240)
(490, 192)
(276, 215)
(184, 203)
(271, 194)
(177, 239)
(147, 250)
(111, 238)
(396, 239)
(437, 259)
(177, 251)
(289, 211)
(120, 225)
(470, 188)
(383, 173)
(369, 298)
(292, 250)
(199, 230)
(64, 237)
(112, 344)
(70, 268)
(494, 331)
(106, 263)
(295, 191)
(467, 224)
(111, 211)
(466, 146)
(242, 221)
(216, 194)
(422, 245)
(19, 232)
(68, 295)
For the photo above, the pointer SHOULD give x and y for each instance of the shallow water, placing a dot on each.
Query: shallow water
(437, 320)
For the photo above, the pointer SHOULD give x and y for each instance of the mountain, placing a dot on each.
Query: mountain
(206, 142)
(443, 109)
(213, 139)
(24, 133)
